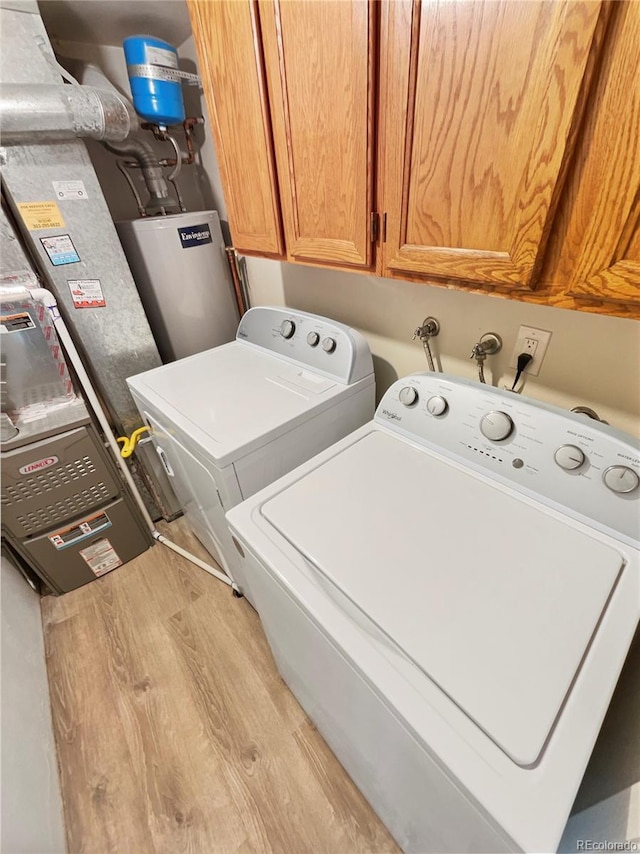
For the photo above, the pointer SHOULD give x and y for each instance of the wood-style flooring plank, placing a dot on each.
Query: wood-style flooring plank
(174, 730)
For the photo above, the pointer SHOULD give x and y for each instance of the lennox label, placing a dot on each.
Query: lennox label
(44, 463)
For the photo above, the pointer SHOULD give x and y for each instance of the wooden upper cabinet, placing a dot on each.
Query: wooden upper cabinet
(599, 241)
(227, 36)
(481, 102)
(321, 60)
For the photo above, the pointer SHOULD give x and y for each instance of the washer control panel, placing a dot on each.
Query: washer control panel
(584, 466)
(320, 344)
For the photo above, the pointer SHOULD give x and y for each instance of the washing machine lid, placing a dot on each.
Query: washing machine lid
(235, 397)
(494, 598)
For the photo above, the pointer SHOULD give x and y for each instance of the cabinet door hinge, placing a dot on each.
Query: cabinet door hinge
(374, 226)
(384, 227)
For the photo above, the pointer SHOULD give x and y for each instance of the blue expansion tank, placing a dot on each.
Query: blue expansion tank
(157, 92)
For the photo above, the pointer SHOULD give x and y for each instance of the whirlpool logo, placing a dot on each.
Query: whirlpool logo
(391, 415)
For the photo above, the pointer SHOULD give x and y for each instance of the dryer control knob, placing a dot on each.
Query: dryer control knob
(568, 457)
(328, 345)
(496, 426)
(313, 338)
(287, 328)
(437, 405)
(621, 479)
(408, 395)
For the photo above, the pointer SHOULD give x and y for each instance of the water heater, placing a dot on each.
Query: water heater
(181, 271)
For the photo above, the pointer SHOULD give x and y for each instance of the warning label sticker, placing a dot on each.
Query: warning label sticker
(16, 322)
(72, 534)
(86, 293)
(60, 250)
(69, 190)
(100, 557)
(38, 215)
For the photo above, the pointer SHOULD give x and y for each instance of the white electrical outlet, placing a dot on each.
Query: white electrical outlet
(534, 341)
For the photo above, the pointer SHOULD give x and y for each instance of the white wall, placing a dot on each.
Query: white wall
(592, 360)
(32, 820)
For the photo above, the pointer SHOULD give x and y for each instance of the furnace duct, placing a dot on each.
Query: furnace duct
(47, 112)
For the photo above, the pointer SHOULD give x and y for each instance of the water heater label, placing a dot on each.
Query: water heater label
(44, 463)
(194, 235)
(161, 56)
(86, 293)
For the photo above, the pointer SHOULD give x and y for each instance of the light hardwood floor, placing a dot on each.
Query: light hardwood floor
(174, 730)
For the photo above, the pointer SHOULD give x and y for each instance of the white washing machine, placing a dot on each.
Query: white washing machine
(230, 420)
(450, 592)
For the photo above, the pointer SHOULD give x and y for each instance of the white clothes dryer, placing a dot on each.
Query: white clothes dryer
(228, 421)
(451, 592)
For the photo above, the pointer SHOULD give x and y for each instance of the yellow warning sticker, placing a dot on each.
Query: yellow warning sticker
(38, 215)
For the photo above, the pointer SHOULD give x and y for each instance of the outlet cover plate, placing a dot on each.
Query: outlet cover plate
(531, 340)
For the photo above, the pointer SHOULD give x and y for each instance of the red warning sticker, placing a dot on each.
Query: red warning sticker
(86, 293)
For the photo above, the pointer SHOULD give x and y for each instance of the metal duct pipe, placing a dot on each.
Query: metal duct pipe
(160, 201)
(43, 112)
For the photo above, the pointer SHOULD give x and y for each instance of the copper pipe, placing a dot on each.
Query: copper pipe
(232, 258)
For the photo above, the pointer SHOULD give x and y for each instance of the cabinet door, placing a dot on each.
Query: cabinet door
(481, 101)
(601, 249)
(227, 36)
(320, 62)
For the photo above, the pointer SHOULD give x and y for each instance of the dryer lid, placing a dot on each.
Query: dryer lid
(235, 396)
(494, 598)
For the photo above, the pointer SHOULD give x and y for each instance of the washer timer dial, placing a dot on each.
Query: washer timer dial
(408, 395)
(496, 426)
(287, 328)
(437, 405)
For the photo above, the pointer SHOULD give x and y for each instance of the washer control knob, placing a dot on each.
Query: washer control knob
(621, 479)
(496, 426)
(437, 405)
(568, 457)
(328, 345)
(313, 338)
(287, 328)
(408, 395)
